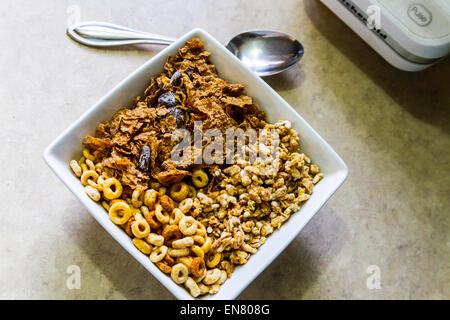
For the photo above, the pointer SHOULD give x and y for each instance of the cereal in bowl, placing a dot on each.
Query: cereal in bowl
(194, 174)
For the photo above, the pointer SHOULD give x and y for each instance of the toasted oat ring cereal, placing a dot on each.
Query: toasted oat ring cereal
(88, 175)
(188, 226)
(185, 260)
(171, 233)
(212, 276)
(169, 260)
(160, 215)
(117, 200)
(137, 198)
(76, 168)
(95, 185)
(98, 167)
(164, 267)
(213, 259)
(150, 198)
(119, 212)
(158, 254)
(84, 167)
(100, 180)
(108, 186)
(207, 245)
(155, 239)
(204, 289)
(140, 228)
(197, 251)
(197, 267)
(176, 253)
(92, 193)
(135, 212)
(192, 286)
(143, 246)
(198, 239)
(167, 203)
(88, 155)
(201, 230)
(183, 243)
(179, 273)
(179, 191)
(105, 205)
(90, 165)
(128, 226)
(200, 178)
(200, 279)
(176, 216)
(186, 205)
(149, 217)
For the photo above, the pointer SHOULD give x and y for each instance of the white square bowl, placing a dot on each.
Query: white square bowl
(68, 146)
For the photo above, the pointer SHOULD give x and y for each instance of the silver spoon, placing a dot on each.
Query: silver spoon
(264, 52)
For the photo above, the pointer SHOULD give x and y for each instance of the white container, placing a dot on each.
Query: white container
(68, 146)
(412, 35)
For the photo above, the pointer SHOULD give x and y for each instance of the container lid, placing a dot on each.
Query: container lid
(428, 19)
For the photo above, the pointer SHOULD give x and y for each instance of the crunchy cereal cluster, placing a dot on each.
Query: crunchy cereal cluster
(248, 205)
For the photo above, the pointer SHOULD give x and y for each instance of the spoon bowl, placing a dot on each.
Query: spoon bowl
(264, 52)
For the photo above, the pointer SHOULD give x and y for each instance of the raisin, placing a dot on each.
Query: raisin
(189, 71)
(175, 79)
(144, 159)
(178, 114)
(168, 99)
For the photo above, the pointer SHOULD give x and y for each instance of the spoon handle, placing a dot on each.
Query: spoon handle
(102, 34)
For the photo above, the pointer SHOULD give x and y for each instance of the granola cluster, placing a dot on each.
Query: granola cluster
(253, 199)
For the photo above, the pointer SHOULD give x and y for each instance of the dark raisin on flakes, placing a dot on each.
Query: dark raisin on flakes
(144, 159)
(189, 71)
(168, 99)
(175, 79)
(178, 114)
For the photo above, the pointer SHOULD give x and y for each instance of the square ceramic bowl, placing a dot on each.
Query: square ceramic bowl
(68, 146)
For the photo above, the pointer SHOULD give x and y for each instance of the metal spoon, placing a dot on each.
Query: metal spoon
(264, 52)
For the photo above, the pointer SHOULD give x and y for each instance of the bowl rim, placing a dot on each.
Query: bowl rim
(180, 293)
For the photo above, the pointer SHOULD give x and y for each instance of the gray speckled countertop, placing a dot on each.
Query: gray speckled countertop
(392, 129)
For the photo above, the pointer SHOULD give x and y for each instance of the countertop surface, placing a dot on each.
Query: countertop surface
(389, 219)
